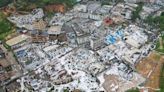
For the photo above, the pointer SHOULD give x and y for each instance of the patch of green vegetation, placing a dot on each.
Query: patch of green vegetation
(5, 2)
(2, 89)
(67, 2)
(8, 68)
(158, 45)
(138, 9)
(133, 90)
(159, 50)
(23, 4)
(157, 22)
(50, 14)
(109, 2)
(28, 62)
(5, 26)
(65, 90)
(162, 14)
(106, 2)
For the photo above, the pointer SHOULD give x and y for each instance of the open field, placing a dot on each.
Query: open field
(150, 68)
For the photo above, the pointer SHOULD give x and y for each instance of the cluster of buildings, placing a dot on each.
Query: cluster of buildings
(159, 2)
(27, 21)
(92, 48)
(9, 71)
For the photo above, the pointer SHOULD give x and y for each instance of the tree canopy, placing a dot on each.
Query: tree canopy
(162, 14)
(4, 2)
(133, 90)
(23, 4)
(138, 9)
(157, 21)
(5, 26)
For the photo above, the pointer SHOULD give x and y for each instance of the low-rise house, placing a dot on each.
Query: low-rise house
(83, 39)
(93, 6)
(82, 15)
(119, 8)
(131, 56)
(104, 9)
(63, 81)
(62, 37)
(56, 30)
(80, 8)
(117, 19)
(137, 37)
(26, 21)
(39, 37)
(39, 25)
(55, 33)
(37, 13)
(132, 42)
(95, 17)
(128, 14)
(18, 41)
(49, 48)
(95, 43)
(96, 68)
(146, 11)
(78, 30)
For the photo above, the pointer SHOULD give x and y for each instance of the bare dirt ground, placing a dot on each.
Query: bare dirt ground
(150, 68)
(11, 60)
(4, 62)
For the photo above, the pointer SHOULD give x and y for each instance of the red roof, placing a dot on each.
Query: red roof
(108, 21)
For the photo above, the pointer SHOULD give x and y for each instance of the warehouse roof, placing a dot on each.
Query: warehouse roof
(17, 40)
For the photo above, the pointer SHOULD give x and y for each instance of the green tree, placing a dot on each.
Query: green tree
(5, 26)
(133, 90)
(4, 2)
(162, 14)
(157, 21)
(23, 4)
(68, 3)
(135, 14)
(66, 90)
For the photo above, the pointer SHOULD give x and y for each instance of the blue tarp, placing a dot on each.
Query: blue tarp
(21, 53)
(111, 39)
